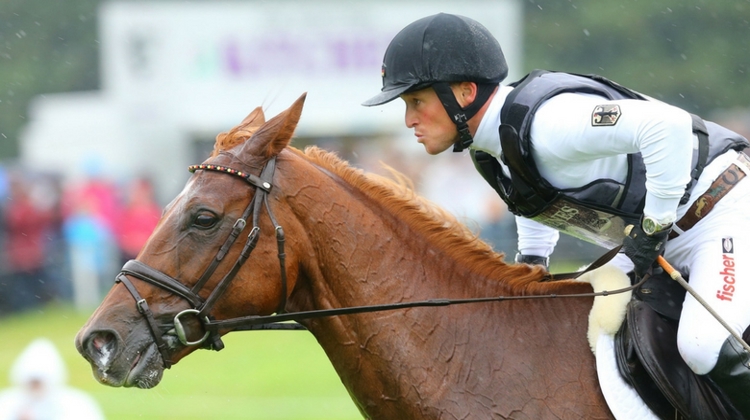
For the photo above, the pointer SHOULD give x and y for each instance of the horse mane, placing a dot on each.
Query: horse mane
(439, 226)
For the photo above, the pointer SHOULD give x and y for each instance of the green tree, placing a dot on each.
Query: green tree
(694, 54)
(45, 47)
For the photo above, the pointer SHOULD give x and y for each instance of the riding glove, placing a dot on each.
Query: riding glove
(644, 249)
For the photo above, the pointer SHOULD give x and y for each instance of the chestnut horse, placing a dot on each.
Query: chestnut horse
(351, 239)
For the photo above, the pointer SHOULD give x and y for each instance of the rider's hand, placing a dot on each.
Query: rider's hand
(643, 249)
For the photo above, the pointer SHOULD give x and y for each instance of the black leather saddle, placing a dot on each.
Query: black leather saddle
(648, 359)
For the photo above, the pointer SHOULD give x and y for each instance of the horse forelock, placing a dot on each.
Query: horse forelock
(439, 226)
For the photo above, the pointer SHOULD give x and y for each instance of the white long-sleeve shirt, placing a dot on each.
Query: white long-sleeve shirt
(570, 152)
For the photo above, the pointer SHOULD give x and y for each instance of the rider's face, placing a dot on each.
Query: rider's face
(431, 123)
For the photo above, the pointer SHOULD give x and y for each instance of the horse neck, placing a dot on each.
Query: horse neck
(364, 254)
(359, 253)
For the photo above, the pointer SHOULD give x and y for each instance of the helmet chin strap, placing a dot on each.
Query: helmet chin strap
(460, 115)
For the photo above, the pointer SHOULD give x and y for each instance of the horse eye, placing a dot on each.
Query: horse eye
(205, 220)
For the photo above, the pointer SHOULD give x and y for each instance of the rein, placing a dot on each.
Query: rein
(274, 322)
(201, 308)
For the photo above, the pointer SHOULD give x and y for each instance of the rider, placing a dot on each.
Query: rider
(586, 156)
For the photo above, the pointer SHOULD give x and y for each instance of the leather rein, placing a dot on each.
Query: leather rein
(201, 308)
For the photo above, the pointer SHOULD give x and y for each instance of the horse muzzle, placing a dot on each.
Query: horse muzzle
(115, 362)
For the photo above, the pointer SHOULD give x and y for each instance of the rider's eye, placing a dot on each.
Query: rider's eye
(205, 220)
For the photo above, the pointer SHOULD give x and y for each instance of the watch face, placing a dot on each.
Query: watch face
(649, 226)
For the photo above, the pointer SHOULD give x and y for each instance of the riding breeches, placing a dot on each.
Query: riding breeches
(715, 254)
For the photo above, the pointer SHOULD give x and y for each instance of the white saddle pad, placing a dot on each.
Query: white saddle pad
(605, 319)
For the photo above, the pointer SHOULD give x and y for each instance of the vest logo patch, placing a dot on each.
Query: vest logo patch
(605, 115)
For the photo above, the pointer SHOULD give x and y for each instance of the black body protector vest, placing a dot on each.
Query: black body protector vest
(599, 211)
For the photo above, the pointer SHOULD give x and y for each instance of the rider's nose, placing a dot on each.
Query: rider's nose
(99, 347)
(410, 119)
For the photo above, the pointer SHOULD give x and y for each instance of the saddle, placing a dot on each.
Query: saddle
(648, 358)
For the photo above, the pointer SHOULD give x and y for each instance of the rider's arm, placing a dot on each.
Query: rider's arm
(571, 151)
(535, 239)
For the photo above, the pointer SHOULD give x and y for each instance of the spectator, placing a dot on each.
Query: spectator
(138, 218)
(4, 278)
(39, 391)
(90, 211)
(27, 224)
(89, 244)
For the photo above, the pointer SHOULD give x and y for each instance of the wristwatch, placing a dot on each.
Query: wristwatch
(651, 226)
(532, 259)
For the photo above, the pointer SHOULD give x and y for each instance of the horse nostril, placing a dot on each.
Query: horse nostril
(101, 347)
(101, 340)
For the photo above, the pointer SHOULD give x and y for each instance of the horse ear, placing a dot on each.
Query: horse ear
(254, 120)
(276, 134)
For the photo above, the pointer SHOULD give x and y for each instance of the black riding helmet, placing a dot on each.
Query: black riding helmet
(436, 51)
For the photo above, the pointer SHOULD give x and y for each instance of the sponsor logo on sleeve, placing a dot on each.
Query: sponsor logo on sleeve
(728, 284)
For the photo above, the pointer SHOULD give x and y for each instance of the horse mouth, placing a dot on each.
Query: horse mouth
(146, 370)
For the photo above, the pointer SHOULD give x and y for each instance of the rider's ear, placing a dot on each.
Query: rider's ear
(466, 93)
(276, 134)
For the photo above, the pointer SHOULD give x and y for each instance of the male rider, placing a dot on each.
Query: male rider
(586, 156)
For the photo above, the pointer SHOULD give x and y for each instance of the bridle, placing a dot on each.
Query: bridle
(201, 308)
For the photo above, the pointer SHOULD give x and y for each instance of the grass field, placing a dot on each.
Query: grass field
(268, 375)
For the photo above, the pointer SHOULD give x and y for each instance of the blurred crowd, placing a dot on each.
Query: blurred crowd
(64, 241)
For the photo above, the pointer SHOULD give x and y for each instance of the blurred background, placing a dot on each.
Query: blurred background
(104, 104)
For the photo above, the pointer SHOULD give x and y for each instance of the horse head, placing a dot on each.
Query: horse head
(191, 270)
